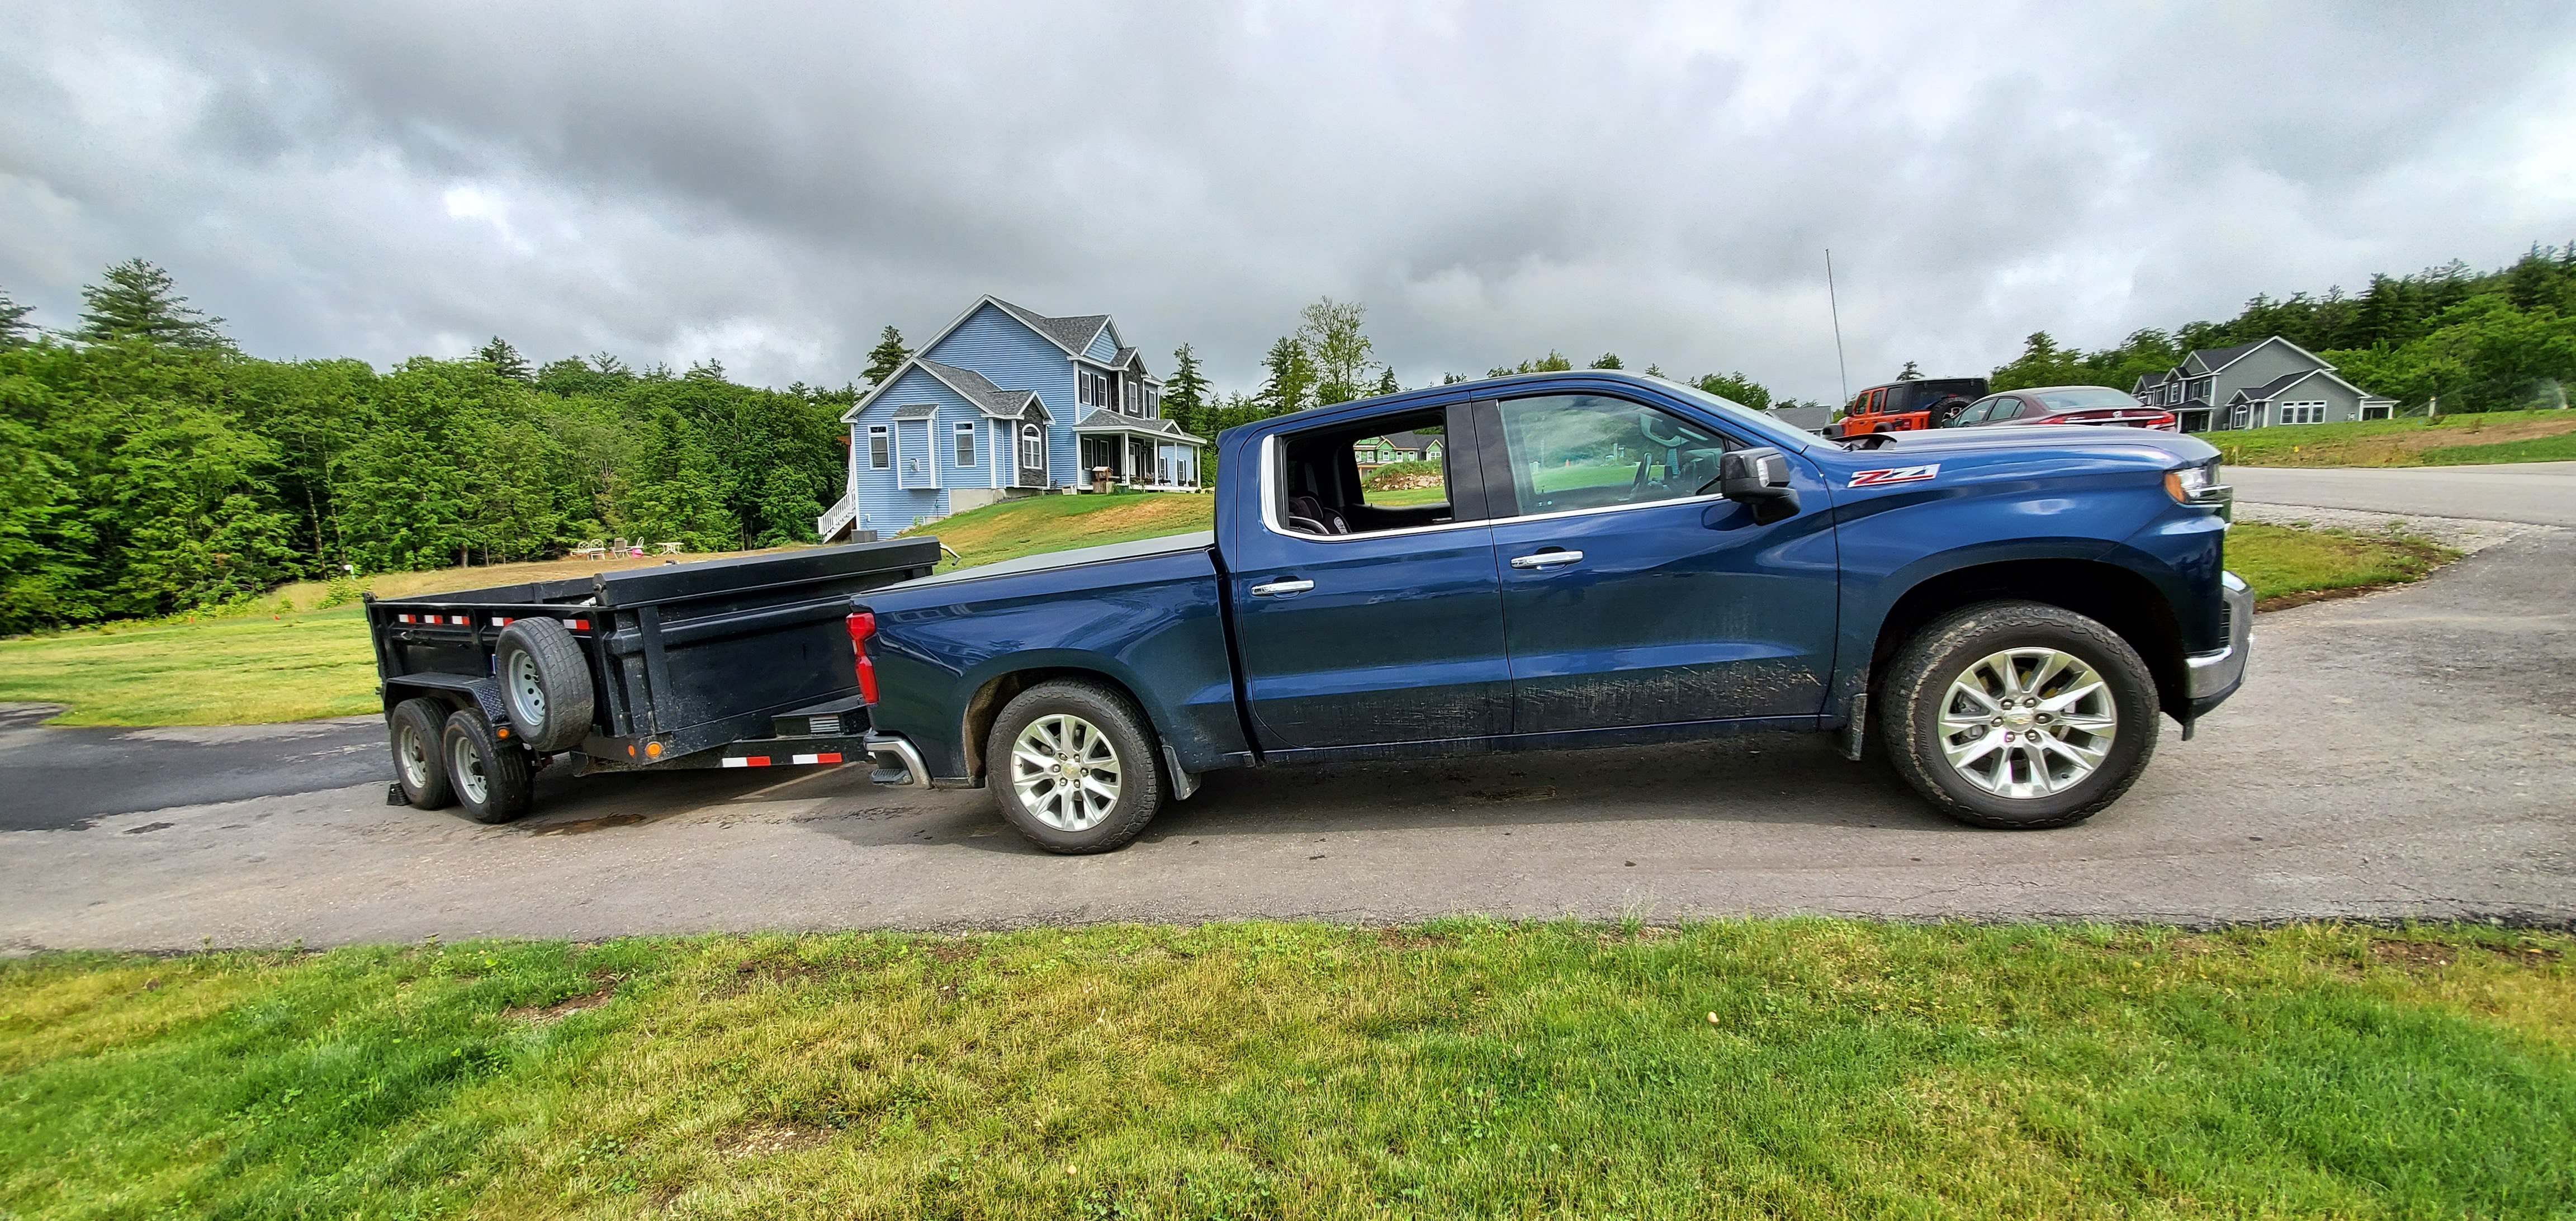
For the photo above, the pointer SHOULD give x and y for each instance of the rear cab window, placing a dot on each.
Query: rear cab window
(1389, 472)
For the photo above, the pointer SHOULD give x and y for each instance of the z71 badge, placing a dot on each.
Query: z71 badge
(1894, 474)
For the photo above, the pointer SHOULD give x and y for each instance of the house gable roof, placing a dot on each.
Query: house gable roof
(2279, 385)
(2213, 360)
(1074, 334)
(993, 401)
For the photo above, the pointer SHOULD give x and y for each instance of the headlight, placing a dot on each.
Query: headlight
(2199, 485)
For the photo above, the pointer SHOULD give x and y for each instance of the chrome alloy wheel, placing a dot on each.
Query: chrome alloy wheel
(466, 769)
(2027, 722)
(527, 695)
(1066, 772)
(414, 757)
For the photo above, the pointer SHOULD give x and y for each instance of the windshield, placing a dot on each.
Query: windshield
(2080, 398)
(1773, 431)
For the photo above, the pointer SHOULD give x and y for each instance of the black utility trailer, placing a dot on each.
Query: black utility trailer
(715, 663)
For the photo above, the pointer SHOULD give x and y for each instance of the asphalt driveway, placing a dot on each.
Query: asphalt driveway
(2409, 754)
(2535, 493)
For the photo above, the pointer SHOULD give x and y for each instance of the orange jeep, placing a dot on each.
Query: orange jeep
(1924, 402)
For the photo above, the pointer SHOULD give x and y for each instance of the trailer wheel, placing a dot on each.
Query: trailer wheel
(546, 683)
(1073, 767)
(492, 778)
(419, 764)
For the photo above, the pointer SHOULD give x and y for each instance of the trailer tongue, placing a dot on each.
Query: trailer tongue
(718, 663)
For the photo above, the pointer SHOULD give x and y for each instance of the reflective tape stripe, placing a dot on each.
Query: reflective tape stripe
(830, 758)
(578, 625)
(498, 621)
(752, 761)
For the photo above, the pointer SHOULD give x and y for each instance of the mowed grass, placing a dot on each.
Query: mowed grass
(253, 666)
(2494, 436)
(1802, 1068)
(2283, 562)
(1038, 524)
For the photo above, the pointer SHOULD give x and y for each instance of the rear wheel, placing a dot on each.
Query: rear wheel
(492, 778)
(419, 765)
(2018, 714)
(1072, 765)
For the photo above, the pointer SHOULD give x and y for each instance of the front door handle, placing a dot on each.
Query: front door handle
(1276, 588)
(1546, 559)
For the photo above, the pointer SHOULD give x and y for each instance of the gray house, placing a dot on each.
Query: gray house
(2253, 385)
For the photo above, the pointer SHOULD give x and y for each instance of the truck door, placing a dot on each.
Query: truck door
(1633, 594)
(1368, 616)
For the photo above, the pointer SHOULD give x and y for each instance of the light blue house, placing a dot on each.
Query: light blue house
(1006, 402)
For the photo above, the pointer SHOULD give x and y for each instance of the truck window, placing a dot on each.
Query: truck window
(1329, 480)
(1585, 451)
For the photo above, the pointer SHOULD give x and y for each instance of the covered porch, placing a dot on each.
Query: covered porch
(1148, 455)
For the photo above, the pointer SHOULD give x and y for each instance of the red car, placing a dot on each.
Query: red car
(2065, 405)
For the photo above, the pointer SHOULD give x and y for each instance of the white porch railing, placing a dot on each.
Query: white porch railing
(838, 517)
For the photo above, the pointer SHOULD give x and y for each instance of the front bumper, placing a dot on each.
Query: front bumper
(2217, 674)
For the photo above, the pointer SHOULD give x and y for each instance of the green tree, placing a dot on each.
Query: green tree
(46, 570)
(1736, 388)
(886, 357)
(206, 528)
(2041, 363)
(1607, 360)
(1909, 373)
(137, 300)
(15, 330)
(1289, 381)
(1553, 362)
(505, 360)
(1386, 383)
(1330, 331)
(1186, 397)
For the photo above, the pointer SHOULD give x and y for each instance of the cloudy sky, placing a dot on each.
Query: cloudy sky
(769, 183)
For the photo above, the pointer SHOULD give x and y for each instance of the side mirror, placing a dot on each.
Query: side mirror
(1758, 477)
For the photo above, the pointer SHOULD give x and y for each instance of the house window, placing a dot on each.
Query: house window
(1032, 447)
(965, 445)
(2173, 393)
(2200, 389)
(2374, 413)
(1153, 403)
(880, 447)
(2311, 412)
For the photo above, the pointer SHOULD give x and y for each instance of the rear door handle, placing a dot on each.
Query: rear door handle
(1546, 559)
(1276, 588)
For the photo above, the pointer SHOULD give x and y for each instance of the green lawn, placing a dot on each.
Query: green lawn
(2284, 562)
(1016, 528)
(1801, 1068)
(2495, 436)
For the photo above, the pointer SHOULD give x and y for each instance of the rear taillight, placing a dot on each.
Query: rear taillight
(863, 625)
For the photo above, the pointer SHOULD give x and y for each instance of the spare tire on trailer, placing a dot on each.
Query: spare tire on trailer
(545, 681)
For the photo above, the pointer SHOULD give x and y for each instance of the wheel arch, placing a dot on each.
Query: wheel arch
(2118, 597)
(984, 707)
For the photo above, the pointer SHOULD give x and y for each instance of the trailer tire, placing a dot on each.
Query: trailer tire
(492, 778)
(420, 764)
(1092, 733)
(545, 682)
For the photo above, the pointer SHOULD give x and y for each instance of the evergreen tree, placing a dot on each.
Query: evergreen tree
(1607, 360)
(1386, 383)
(1186, 399)
(137, 300)
(1290, 385)
(1553, 362)
(886, 357)
(15, 330)
(1909, 373)
(504, 359)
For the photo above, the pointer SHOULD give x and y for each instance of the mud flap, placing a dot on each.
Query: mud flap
(1854, 731)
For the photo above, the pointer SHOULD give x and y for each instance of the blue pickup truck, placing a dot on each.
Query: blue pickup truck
(1598, 559)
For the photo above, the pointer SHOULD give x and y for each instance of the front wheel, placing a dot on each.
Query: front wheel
(1072, 765)
(2019, 715)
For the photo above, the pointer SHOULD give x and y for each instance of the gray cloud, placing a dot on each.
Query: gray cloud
(769, 184)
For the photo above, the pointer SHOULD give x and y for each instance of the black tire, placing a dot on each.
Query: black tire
(420, 765)
(1130, 744)
(491, 777)
(1960, 647)
(545, 682)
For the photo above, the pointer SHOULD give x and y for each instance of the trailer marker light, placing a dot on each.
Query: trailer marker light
(653, 750)
(863, 626)
(498, 621)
